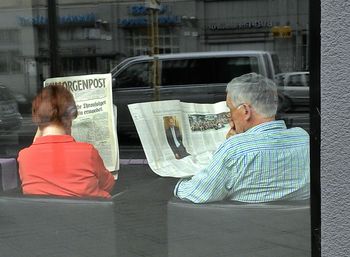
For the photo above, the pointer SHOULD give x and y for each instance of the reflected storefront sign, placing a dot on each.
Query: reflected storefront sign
(257, 24)
(62, 20)
(163, 20)
(138, 16)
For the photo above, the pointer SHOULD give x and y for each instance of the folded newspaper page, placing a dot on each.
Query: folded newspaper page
(179, 138)
(96, 121)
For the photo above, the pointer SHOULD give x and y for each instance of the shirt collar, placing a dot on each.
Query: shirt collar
(270, 125)
(54, 139)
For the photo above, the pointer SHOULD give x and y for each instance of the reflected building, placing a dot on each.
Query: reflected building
(93, 36)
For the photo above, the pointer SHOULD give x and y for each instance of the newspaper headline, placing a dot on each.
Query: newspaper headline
(96, 121)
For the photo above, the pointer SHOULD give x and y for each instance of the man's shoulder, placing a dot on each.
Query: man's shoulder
(238, 142)
(243, 138)
(298, 131)
(296, 135)
(269, 139)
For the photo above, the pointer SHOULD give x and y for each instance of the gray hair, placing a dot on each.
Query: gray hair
(256, 90)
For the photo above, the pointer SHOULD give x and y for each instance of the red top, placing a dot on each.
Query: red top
(58, 165)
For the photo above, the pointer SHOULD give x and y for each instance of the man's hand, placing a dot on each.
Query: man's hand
(177, 156)
(232, 130)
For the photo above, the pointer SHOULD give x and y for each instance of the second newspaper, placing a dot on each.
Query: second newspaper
(179, 138)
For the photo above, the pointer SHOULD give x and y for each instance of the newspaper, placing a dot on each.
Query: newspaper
(97, 116)
(179, 138)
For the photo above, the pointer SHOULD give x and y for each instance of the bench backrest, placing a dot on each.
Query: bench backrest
(9, 178)
(238, 229)
(56, 227)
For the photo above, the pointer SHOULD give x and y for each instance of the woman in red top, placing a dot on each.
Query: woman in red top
(55, 164)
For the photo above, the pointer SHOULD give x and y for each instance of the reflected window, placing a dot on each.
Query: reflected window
(139, 44)
(10, 62)
(9, 36)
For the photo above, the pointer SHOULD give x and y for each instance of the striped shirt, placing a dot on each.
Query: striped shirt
(267, 162)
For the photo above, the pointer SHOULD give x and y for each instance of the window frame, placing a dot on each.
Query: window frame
(315, 124)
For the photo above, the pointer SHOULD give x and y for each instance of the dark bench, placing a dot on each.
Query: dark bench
(140, 220)
(56, 227)
(276, 229)
(52, 226)
(131, 224)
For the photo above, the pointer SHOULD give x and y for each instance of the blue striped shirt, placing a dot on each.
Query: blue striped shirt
(267, 162)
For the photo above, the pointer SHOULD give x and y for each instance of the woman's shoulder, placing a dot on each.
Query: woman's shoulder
(84, 145)
(88, 147)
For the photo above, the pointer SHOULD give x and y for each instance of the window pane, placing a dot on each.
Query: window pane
(176, 50)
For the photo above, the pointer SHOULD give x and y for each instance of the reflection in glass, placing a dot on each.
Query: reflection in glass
(96, 36)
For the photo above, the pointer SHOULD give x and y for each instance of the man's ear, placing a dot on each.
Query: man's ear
(247, 109)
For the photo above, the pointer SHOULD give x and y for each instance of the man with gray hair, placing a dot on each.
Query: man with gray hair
(260, 160)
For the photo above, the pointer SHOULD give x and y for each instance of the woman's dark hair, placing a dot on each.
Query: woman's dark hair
(53, 104)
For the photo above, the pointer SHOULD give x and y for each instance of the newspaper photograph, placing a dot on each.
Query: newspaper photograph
(179, 138)
(96, 121)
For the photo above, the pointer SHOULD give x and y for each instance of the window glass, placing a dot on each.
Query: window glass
(229, 68)
(268, 37)
(9, 36)
(3, 62)
(5, 94)
(136, 75)
(206, 70)
(9, 62)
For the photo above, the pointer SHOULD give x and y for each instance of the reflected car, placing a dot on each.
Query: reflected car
(199, 77)
(23, 102)
(10, 118)
(295, 87)
(293, 79)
